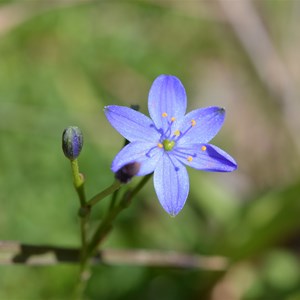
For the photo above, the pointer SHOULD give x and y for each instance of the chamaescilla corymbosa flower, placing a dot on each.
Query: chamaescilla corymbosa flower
(169, 141)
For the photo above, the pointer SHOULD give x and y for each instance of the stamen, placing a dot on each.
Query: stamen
(176, 168)
(181, 134)
(177, 133)
(148, 153)
(203, 148)
(167, 133)
(160, 145)
(185, 154)
(164, 115)
(160, 131)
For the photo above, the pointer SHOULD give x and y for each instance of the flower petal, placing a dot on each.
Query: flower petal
(201, 125)
(133, 125)
(147, 154)
(205, 157)
(171, 183)
(166, 98)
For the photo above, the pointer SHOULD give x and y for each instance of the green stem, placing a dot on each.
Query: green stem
(139, 186)
(106, 224)
(78, 181)
(113, 199)
(103, 229)
(114, 187)
(83, 229)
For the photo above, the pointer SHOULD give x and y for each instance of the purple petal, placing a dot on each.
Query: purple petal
(205, 157)
(166, 98)
(171, 183)
(133, 125)
(147, 154)
(201, 125)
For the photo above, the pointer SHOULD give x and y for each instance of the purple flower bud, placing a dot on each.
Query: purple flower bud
(72, 142)
(126, 173)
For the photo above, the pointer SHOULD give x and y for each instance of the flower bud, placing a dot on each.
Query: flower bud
(72, 142)
(126, 173)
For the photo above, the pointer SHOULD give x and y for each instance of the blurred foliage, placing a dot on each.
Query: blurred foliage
(61, 64)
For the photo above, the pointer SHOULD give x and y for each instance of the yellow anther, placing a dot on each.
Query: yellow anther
(164, 114)
(193, 122)
(203, 148)
(189, 158)
(177, 133)
(173, 119)
(159, 145)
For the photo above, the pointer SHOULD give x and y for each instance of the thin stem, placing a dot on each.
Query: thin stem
(113, 199)
(139, 186)
(106, 224)
(78, 181)
(104, 227)
(114, 187)
(84, 213)
(83, 228)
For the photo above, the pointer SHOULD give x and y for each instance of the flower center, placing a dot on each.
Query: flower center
(168, 145)
(169, 137)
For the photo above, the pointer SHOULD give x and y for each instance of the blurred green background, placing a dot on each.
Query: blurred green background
(61, 62)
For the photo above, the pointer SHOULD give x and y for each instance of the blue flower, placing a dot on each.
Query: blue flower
(169, 141)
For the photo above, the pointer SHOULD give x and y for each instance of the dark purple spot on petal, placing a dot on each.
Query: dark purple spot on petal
(126, 173)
